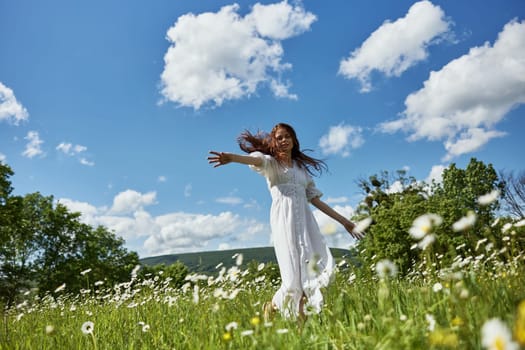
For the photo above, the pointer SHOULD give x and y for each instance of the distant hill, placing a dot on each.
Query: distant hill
(207, 261)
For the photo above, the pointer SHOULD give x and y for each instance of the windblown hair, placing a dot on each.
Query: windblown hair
(267, 144)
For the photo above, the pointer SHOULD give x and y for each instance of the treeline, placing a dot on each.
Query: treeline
(471, 212)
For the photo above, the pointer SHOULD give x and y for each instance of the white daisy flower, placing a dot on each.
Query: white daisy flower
(488, 198)
(362, 225)
(60, 288)
(495, 335)
(423, 224)
(231, 326)
(465, 222)
(431, 322)
(437, 287)
(426, 241)
(239, 259)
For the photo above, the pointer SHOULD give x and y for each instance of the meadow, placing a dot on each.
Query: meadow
(476, 302)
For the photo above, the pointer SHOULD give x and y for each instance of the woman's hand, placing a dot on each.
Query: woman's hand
(350, 227)
(219, 158)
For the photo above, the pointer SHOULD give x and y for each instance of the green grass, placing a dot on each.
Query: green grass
(362, 311)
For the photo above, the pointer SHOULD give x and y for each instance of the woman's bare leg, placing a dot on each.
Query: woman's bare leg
(302, 302)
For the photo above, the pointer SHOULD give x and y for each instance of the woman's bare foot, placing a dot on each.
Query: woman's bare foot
(268, 311)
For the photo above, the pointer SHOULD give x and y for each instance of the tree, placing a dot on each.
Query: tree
(176, 272)
(513, 193)
(21, 223)
(43, 245)
(80, 248)
(394, 212)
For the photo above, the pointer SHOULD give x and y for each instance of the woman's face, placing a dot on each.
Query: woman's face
(284, 140)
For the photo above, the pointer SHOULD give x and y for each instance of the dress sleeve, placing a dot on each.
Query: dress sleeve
(312, 191)
(266, 167)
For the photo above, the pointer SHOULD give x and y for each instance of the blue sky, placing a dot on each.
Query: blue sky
(112, 106)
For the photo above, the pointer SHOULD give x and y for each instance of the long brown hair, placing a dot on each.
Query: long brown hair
(267, 144)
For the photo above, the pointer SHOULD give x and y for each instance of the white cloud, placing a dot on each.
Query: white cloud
(280, 21)
(89, 212)
(461, 103)
(219, 56)
(2, 157)
(229, 200)
(74, 150)
(33, 146)
(336, 200)
(175, 232)
(162, 178)
(130, 201)
(10, 109)
(396, 187)
(341, 139)
(396, 46)
(190, 232)
(469, 141)
(436, 174)
(70, 149)
(84, 161)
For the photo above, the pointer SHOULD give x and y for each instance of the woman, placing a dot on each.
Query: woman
(305, 262)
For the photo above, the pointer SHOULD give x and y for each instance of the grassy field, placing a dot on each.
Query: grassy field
(473, 301)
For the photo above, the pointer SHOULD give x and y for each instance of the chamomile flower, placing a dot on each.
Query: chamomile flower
(421, 229)
(423, 225)
(489, 197)
(496, 336)
(437, 287)
(60, 288)
(50, 329)
(362, 225)
(465, 222)
(238, 260)
(431, 322)
(231, 326)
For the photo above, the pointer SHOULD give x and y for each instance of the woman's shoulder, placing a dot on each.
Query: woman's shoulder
(260, 154)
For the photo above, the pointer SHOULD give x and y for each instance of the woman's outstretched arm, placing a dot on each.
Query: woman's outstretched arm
(223, 158)
(347, 224)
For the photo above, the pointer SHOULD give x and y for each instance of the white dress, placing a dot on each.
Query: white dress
(304, 259)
